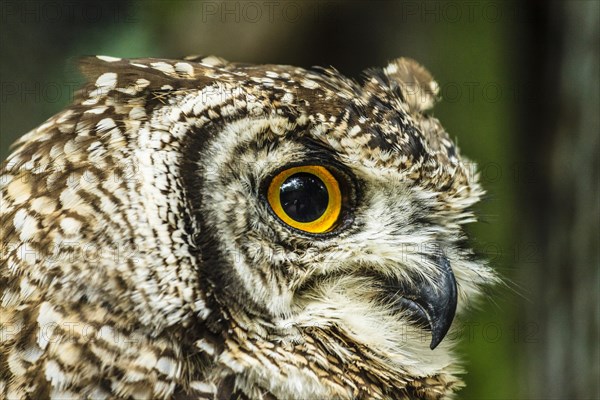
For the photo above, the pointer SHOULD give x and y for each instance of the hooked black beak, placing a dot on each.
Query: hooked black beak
(431, 302)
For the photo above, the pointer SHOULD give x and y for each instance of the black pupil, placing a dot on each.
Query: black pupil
(303, 197)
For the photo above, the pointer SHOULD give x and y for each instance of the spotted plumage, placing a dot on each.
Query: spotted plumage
(141, 257)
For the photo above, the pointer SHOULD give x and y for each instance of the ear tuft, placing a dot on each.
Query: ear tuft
(418, 87)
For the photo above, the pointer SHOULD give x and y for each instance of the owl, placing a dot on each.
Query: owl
(199, 229)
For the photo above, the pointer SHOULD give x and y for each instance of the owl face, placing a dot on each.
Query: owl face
(307, 225)
(269, 226)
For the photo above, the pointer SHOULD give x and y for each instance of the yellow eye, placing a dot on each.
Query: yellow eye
(306, 197)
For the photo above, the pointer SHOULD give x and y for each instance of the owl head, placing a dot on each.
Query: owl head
(269, 230)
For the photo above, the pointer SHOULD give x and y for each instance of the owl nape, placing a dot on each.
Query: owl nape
(196, 228)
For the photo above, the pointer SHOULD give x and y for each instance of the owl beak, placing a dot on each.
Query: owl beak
(432, 302)
(439, 300)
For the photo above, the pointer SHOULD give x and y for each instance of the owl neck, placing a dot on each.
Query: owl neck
(323, 361)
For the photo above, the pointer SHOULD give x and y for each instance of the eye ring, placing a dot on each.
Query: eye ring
(326, 219)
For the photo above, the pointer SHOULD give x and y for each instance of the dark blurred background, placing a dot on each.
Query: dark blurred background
(520, 89)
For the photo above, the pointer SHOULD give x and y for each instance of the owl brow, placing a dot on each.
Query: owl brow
(318, 151)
